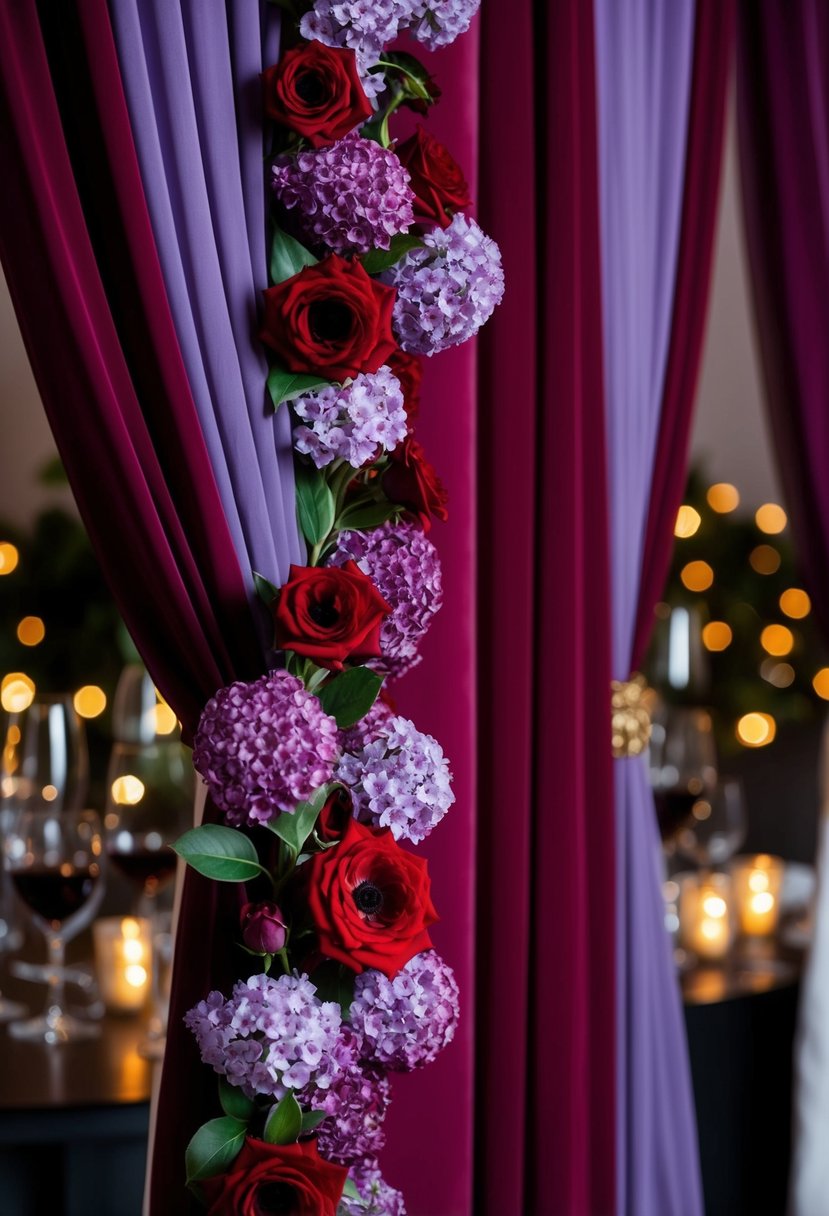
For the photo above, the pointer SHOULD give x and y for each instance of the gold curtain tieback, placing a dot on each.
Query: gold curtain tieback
(630, 722)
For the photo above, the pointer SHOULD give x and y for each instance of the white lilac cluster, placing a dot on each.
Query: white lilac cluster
(368, 28)
(350, 196)
(377, 1198)
(405, 568)
(405, 1022)
(447, 288)
(398, 776)
(263, 747)
(354, 422)
(355, 1099)
(272, 1036)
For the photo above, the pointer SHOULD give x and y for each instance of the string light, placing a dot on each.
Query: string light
(688, 520)
(9, 557)
(756, 729)
(770, 518)
(17, 692)
(764, 559)
(697, 576)
(717, 635)
(795, 603)
(820, 683)
(723, 497)
(31, 631)
(127, 790)
(777, 640)
(89, 701)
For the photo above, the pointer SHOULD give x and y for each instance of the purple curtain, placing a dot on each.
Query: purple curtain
(783, 110)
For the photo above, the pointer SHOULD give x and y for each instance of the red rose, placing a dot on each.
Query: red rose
(337, 812)
(316, 91)
(412, 482)
(329, 614)
(276, 1180)
(437, 179)
(370, 901)
(331, 320)
(409, 371)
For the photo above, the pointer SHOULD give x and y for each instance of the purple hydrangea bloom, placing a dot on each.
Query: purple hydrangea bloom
(436, 23)
(263, 747)
(350, 196)
(447, 289)
(365, 27)
(398, 777)
(405, 568)
(354, 422)
(355, 1099)
(377, 1198)
(406, 1022)
(271, 1036)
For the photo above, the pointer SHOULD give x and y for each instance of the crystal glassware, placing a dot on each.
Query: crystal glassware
(718, 825)
(54, 859)
(682, 765)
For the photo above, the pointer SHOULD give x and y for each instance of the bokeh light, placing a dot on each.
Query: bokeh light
(781, 675)
(164, 720)
(90, 701)
(723, 497)
(764, 559)
(820, 683)
(795, 603)
(9, 557)
(777, 640)
(717, 635)
(31, 631)
(17, 691)
(697, 576)
(756, 729)
(127, 790)
(770, 518)
(688, 520)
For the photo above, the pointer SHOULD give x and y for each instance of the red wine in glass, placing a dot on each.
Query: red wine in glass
(149, 869)
(674, 807)
(57, 892)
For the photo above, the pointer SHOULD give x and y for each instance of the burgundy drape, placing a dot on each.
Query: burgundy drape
(713, 49)
(783, 115)
(545, 939)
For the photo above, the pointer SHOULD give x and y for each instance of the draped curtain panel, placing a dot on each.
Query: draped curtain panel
(545, 1077)
(783, 126)
(662, 72)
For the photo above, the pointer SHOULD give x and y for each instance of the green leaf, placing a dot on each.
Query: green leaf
(285, 386)
(349, 696)
(295, 829)
(350, 1190)
(335, 982)
(311, 1119)
(315, 504)
(215, 1147)
(265, 589)
(219, 852)
(234, 1102)
(367, 515)
(288, 257)
(284, 1122)
(377, 260)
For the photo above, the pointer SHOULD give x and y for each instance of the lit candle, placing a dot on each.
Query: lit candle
(757, 882)
(123, 957)
(705, 915)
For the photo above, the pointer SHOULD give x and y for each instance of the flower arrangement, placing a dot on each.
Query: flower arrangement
(324, 789)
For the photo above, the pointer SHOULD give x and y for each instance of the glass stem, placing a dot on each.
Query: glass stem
(57, 980)
(149, 910)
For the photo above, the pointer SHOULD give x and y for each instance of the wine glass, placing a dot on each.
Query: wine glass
(718, 825)
(682, 764)
(149, 805)
(139, 714)
(54, 858)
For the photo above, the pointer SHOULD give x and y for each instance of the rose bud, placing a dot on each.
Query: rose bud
(316, 91)
(335, 815)
(437, 179)
(263, 929)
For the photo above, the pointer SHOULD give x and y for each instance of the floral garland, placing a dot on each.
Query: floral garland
(322, 785)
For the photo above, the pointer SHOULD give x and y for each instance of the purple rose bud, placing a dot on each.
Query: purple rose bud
(263, 929)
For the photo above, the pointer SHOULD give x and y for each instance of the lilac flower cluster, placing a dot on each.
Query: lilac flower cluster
(351, 196)
(355, 1098)
(398, 777)
(406, 1022)
(405, 568)
(377, 1198)
(446, 289)
(436, 23)
(271, 1036)
(354, 422)
(263, 747)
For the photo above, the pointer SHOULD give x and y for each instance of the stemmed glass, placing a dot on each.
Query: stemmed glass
(54, 858)
(683, 765)
(718, 825)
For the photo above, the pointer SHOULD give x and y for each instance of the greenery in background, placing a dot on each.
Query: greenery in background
(742, 678)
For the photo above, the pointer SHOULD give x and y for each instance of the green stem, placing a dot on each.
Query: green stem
(283, 958)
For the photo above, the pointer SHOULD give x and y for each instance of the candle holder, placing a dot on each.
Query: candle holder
(706, 922)
(757, 881)
(123, 959)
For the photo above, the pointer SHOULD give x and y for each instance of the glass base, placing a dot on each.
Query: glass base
(54, 1027)
(11, 1009)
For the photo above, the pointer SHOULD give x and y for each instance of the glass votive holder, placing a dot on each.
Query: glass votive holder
(706, 923)
(757, 881)
(123, 961)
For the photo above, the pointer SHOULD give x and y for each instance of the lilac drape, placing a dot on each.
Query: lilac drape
(191, 79)
(644, 52)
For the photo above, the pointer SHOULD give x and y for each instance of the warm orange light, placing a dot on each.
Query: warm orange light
(795, 603)
(770, 518)
(764, 559)
(9, 557)
(820, 683)
(756, 730)
(17, 692)
(717, 635)
(164, 720)
(723, 497)
(777, 640)
(688, 520)
(31, 631)
(90, 701)
(127, 790)
(697, 576)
